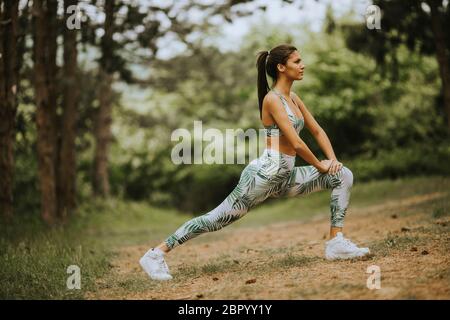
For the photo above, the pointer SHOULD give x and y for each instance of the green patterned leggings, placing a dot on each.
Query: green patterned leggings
(273, 175)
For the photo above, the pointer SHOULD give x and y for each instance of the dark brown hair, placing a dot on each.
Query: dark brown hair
(268, 63)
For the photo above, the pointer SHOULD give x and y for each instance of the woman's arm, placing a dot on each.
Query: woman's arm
(316, 130)
(276, 110)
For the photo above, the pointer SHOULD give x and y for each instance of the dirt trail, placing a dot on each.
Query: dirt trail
(286, 260)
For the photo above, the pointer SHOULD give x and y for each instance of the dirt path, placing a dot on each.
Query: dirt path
(286, 260)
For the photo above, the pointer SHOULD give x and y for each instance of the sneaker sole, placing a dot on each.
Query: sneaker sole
(346, 256)
(159, 277)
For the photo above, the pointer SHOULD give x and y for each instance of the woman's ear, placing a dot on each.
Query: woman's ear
(281, 67)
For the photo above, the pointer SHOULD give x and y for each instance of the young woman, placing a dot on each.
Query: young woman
(273, 174)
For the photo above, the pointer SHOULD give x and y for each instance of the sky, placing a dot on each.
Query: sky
(312, 13)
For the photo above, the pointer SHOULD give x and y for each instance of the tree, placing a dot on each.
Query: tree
(117, 54)
(44, 71)
(102, 130)
(8, 100)
(132, 29)
(438, 14)
(419, 25)
(67, 153)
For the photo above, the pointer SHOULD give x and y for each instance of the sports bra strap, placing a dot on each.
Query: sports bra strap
(284, 102)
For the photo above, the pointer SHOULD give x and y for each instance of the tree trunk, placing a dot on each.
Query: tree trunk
(102, 129)
(46, 113)
(53, 89)
(67, 154)
(8, 101)
(437, 25)
(102, 132)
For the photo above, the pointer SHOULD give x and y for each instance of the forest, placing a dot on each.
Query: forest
(88, 106)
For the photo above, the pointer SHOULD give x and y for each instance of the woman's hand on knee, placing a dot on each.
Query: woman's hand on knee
(335, 167)
(325, 166)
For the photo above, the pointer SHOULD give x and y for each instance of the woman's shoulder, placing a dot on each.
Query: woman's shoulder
(270, 97)
(272, 103)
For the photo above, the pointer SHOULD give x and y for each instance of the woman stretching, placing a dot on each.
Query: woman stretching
(273, 174)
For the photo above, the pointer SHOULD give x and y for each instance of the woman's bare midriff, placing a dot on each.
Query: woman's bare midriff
(280, 144)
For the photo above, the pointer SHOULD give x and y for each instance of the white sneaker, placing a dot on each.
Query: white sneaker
(342, 248)
(153, 263)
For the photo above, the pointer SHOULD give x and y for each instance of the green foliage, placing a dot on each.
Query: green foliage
(26, 192)
(340, 90)
(379, 127)
(416, 160)
(188, 187)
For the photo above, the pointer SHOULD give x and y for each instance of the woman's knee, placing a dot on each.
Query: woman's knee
(346, 176)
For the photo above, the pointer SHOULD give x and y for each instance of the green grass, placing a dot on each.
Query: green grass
(211, 268)
(34, 259)
(415, 237)
(190, 271)
(291, 260)
(34, 265)
(442, 211)
(395, 242)
(223, 264)
(371, 192)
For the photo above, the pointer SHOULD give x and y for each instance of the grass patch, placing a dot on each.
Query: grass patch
(34, 258)
(440, 212)
(387, 190)
(135, 283)
(188, 271)
(211, 268)
(395, 242)
(207, 269)
(36, 267)
(291, 260)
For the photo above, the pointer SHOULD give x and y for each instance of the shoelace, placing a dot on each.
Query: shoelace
(349, 244)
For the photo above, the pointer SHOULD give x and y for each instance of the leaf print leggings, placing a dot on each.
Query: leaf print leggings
(273, 174)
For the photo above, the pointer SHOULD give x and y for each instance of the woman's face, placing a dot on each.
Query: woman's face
(294, 67)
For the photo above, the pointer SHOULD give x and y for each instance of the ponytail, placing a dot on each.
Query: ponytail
(263, 86)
